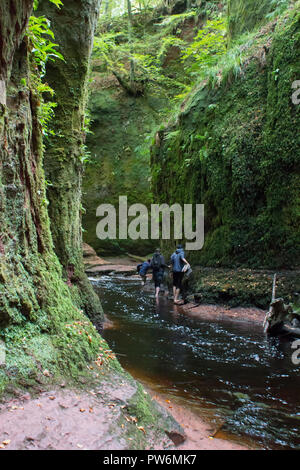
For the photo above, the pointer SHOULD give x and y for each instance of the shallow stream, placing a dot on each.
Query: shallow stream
(228, 370)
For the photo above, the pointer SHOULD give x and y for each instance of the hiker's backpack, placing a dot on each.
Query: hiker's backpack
(156, 262)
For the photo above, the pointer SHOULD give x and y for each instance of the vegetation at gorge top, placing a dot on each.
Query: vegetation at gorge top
(150, 47)
(150, 51)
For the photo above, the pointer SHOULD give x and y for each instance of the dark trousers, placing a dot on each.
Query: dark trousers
(177, 279)
(158, 278)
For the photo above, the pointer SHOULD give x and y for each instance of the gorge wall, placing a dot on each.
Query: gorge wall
(35, 301)
(235, 147)
(122, 125)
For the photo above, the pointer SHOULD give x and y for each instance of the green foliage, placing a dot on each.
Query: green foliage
(125, 125)
(230, 64)
(277, 8)
(148, 49)
(155, 51)
(175, 21)
(249, 15)
(233, 145)
(113, 8)
(106, 48)
(46, 111)
(171, 136)
(58, 3)
(167, 43)
(43, 49)
(207, 47)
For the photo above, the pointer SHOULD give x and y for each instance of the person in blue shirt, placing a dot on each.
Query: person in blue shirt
(178, 263)
(180, 248)
(143, 269)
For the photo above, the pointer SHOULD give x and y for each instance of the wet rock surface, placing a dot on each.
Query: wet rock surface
(96, 265)
(90, 257)
(113, 415)
(107, 269)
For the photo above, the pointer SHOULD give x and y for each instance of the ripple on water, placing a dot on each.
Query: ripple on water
(249, 380)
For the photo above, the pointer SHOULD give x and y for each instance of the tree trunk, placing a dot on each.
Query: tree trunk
(73, 26)
(130, 40)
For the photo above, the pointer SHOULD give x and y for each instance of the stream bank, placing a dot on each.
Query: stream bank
(202, 433)
(99, 419)
(58, 397)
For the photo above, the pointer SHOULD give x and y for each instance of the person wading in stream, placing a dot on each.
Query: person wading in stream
(179, 266)
(158, 265)
(143, 269)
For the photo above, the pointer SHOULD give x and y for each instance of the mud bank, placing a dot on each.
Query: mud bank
(107, 416)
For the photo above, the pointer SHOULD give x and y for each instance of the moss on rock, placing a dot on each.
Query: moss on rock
(120, 159)
(73, 26)
(243, 287)
(35, 301)
(247, 15)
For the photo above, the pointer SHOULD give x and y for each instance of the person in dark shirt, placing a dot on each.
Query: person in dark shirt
(158, 265)
(178, 263)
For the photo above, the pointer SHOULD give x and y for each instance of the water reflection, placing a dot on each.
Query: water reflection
(231, 366)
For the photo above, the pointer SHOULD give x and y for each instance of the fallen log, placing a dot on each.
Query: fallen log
(280, 317)
(137, 258)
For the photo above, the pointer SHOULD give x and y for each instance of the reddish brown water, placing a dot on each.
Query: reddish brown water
(223, 369)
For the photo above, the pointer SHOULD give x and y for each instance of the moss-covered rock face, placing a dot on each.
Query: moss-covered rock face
(73, 26)
(120, 160)
(246, 15)
(122, 124)
(243, 287)
(125, 117)
(35, 303)
(44, 338)
(235, 148)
